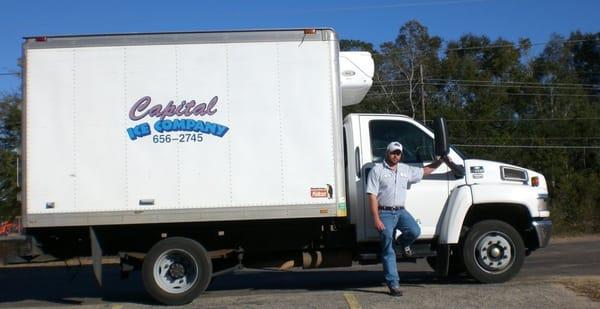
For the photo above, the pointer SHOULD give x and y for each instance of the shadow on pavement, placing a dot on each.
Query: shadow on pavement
(324, 279)
(72, 285)
(76, 285)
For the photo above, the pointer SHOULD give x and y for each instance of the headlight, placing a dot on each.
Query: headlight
(510, 173)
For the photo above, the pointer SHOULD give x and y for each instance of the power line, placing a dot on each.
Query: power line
(517, 94)
(519, 45)
(529, 146)
(466, 82)
(546, 94)
(512, 82)
(385, 95)
(493, 46)
(400, 83)
(403, 83)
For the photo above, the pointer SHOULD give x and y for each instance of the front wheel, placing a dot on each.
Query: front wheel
(493, 251)
(176, 270)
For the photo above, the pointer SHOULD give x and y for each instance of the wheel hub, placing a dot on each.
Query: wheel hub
(494, 252)
(176, 270)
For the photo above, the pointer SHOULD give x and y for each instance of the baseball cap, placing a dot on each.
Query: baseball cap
(393, 146)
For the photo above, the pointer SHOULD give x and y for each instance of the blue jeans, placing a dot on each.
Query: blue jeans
(403, 221)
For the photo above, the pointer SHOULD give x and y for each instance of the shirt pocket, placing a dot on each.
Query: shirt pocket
(387, 181)
(403, 180)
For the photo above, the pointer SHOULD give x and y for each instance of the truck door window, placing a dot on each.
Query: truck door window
(418, 146)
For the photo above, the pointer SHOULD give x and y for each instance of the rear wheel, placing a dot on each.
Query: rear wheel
(176, 270)
(493, 251)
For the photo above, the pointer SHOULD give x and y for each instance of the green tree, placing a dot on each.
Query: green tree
(357, 45)
(400, 68)
(10, 139)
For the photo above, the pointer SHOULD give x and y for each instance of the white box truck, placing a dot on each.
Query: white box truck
(192, 154)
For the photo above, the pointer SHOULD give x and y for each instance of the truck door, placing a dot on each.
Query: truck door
(425, 199)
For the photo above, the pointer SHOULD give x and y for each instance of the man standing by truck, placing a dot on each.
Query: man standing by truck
(386, 187)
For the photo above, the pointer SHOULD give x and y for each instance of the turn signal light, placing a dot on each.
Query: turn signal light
(310, 31)
(535, 181)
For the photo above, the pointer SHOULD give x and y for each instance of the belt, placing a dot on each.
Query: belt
(390, 207)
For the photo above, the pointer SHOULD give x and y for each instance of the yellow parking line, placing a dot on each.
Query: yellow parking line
(352, 301)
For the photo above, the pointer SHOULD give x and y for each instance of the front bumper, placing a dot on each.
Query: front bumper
(543, 230)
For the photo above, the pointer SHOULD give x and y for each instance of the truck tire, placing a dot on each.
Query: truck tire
(176, 270)
(493, 251)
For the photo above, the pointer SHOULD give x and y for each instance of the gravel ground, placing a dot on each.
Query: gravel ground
(513, 295)
(564, 275)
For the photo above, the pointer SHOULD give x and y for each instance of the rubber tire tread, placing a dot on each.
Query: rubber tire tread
(202, 259)
(469, 259)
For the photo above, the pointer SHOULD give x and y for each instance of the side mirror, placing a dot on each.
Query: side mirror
(442, 145)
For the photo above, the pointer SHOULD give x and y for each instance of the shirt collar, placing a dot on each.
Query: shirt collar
(386, 165)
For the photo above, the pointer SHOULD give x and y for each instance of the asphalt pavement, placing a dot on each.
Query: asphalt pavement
(542, 283)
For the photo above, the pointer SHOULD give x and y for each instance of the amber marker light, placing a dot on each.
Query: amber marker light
(310, 31)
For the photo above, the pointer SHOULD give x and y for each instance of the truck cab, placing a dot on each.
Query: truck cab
(479, 216)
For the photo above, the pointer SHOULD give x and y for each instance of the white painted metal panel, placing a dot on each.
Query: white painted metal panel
(307, 126)
(256, 176)
(151, 167)
(50, 149)
(99, 119)
(204, 166)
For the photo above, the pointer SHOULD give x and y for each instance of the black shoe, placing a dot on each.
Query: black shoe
(406, 252)
(395, 291)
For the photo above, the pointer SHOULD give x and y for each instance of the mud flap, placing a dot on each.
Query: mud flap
(443, 260)
(96, 255)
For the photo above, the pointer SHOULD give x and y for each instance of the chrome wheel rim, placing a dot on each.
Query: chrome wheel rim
(494, 252)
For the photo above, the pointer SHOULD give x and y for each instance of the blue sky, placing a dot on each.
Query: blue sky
(372, 21)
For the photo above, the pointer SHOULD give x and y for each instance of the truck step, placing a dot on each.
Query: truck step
(418, 251)
(368, 259)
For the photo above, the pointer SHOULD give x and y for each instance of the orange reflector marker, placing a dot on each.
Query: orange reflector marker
(535, 181)
(310, 31)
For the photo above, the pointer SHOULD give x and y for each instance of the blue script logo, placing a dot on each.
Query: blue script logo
(195, 128)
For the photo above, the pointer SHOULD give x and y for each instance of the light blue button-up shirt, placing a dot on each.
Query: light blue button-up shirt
(389, 186)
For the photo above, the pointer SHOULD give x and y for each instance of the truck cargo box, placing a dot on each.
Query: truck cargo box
(182, 127)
